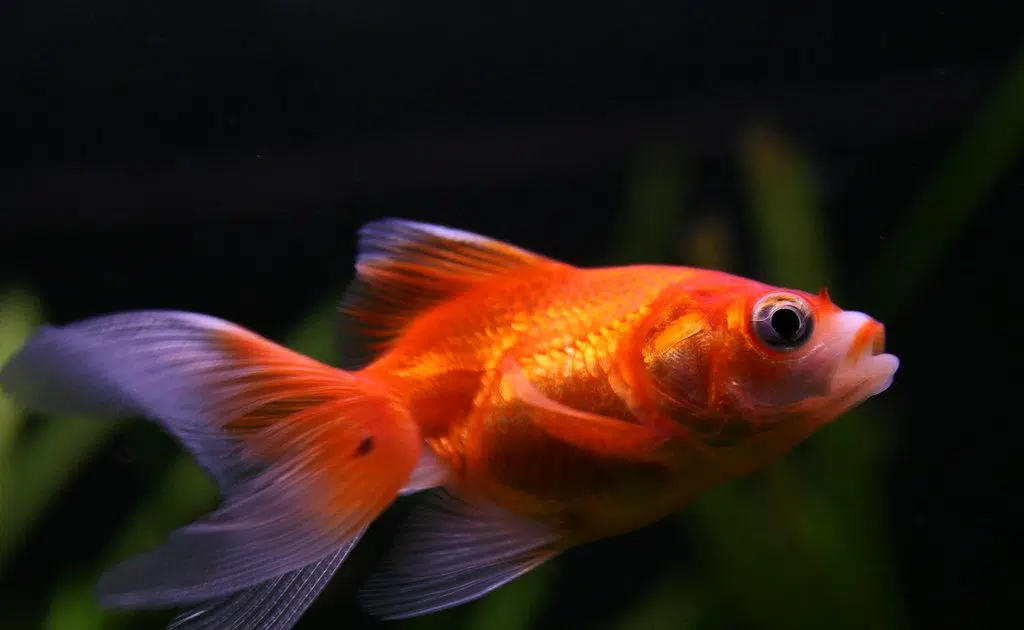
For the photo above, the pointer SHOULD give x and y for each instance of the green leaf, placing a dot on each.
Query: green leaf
(785, 211)
(46, 460)
(43, 465)
(314, 336)
(19, 315)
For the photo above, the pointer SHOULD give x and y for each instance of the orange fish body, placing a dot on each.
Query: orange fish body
(542, 405)
(529, 403)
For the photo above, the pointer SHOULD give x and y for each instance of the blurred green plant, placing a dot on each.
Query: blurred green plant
(185, 492)
(19, 315)
(44, 460)
(781, 549)
(657, 185)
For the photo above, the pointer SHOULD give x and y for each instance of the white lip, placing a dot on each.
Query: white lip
(870, 373)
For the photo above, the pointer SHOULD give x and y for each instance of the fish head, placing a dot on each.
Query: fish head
(757, 356)
(792, 352)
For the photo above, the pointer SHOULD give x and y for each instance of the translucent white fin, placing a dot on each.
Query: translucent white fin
(251, 539)
(150, 364)
(307, 455)
(453, 551)
(276, 604)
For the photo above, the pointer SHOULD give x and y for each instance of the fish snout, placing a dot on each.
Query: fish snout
(865, 367)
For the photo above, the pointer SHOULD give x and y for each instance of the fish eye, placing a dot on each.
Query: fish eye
(782, 322)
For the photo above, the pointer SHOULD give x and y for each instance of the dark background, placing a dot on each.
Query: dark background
(219, 156)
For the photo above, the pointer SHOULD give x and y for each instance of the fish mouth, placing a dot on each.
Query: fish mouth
(865, 370)
(868, 341)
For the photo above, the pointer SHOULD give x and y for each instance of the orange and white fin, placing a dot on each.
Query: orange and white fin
(597, 434)
(454, 550)
(306, 455)
(404, 268)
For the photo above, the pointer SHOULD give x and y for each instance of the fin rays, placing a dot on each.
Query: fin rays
(453, 551)
(276, 604)
(247, 541)
(404, 268)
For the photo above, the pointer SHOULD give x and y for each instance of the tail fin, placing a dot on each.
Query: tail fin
(306, 455)
(276, 604)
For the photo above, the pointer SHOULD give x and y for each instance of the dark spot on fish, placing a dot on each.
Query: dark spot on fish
(365, 446)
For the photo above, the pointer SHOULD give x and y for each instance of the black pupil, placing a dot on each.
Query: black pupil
(786, 323)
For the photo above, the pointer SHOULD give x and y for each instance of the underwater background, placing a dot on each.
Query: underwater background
(219, 157)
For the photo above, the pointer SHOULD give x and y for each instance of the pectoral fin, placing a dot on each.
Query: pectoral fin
(600, 435)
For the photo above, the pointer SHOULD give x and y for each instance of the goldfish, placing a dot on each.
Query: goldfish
(537, 406)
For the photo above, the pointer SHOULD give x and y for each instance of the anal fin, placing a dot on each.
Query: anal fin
(454, 550)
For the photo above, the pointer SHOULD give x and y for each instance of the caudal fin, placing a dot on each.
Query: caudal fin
(306, 455)
(276, 604)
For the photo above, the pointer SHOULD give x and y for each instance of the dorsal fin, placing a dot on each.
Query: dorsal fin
(405, 268)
